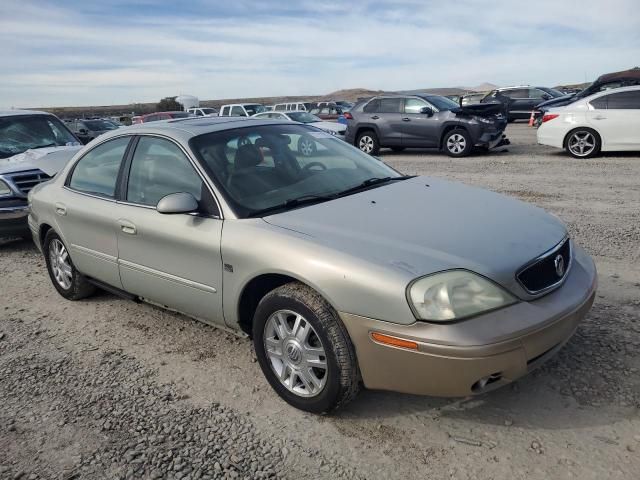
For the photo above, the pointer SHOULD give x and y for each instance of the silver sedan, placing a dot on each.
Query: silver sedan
(344, 272)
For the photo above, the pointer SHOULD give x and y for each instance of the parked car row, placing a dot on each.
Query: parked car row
(195, 213)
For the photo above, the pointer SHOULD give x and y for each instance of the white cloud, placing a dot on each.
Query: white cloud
(64, 56)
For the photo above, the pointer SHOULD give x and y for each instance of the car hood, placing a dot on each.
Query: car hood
(425, 225)
(480, 109)
(50, 160)
(557, 102)
(333, 126)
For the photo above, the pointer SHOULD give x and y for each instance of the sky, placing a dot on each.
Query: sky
(85, 52)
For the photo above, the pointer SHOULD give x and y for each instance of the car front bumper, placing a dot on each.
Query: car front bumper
(476, 355)
(13, 220)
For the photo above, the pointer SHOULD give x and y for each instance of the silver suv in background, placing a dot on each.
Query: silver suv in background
(33, 147)
(424, 121)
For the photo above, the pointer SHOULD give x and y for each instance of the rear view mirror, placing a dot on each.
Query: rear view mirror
(83, 131)
(177, 203)
(426, 111)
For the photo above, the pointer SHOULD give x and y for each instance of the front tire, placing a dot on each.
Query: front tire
(457, 143)
(368, 142)
(304, 350)
(69, 283)
(582, 143)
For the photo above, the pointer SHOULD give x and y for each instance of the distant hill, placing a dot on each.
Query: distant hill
(351, 94)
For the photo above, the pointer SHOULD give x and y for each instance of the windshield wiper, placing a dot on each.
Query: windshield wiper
(371, 182)
(293, 202)
(44, 146)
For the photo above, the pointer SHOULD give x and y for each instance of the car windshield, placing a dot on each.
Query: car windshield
(98, 125)
(303, 117)
(208, 111)
(253, 109)
(275, 167)
(21, 133)
(442, 103)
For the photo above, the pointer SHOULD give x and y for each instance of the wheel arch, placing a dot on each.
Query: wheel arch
(257, 287)
(364, 128)
(42, 233)
(449, 127)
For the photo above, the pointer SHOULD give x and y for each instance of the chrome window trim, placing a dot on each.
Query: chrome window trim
(88, 194)
(544, 256)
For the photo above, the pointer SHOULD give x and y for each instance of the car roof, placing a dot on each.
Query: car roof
(11, 113)
(186, 128)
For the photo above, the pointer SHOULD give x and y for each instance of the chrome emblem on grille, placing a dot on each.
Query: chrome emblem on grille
(559, 264)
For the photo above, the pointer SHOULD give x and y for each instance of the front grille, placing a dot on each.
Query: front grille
(25, 181)
(548, 270)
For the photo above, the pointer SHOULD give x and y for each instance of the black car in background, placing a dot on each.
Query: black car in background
(520, 100)
(87, 130)
(625, 78)
(424, 121)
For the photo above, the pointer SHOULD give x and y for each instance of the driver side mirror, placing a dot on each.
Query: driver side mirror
(83, 131)
(177, 203)
(546, 96)
(426, 111)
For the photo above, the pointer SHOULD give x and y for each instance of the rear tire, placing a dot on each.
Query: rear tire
(583, 142)
(304, 350)
(367, 142)
(457, 143)
(69, 283)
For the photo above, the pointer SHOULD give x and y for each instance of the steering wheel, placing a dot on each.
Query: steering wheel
(310, 165)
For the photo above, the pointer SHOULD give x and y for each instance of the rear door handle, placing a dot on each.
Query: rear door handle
(127, 227)
(375, 117)
(61, 209)
(599, 117)
(406, 119)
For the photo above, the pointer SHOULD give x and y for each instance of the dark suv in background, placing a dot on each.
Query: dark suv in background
(424, 121)
(87, 130)
(519, 101)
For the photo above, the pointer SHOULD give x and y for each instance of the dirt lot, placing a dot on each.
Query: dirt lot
(106, 388)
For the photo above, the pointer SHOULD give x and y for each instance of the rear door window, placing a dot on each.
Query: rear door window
(516, 93)
(97, 171)
(624, 100)
(238, 112)
(600, 103)
(390, 105)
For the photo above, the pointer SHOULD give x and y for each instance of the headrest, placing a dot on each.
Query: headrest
(247, 156)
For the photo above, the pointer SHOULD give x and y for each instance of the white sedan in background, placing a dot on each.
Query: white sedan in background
(306, 145)
(603, 122)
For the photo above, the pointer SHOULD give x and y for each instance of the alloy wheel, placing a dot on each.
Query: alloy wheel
(60, 264)
(295, 353)
(306, 147)
(456, 143)
(366, 144)
(582, 143)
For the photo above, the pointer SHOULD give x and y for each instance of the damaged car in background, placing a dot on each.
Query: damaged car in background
(33, 147)
(425, 121)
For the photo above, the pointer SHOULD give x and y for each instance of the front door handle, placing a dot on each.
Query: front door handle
(406, 119)
(127, 227)
(61, 209)
(375, 117)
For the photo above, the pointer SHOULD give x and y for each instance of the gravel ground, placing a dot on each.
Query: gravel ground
(106, 388)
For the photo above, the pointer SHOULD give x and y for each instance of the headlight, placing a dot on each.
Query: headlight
(331, 132)
(4, 189)
(484, 120)
(454, 295)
